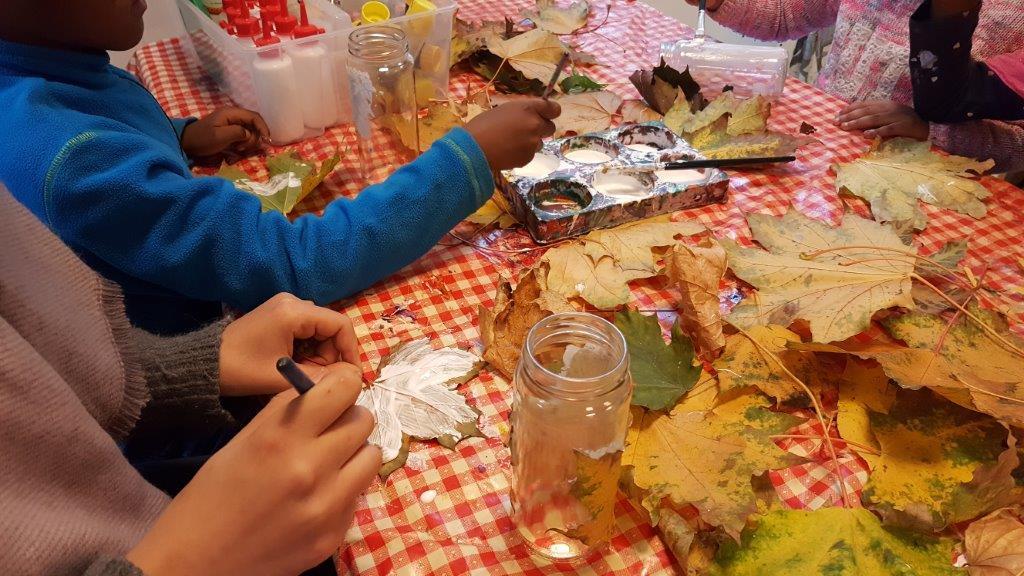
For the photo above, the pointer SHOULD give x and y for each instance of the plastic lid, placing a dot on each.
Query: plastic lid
(247, 27)
(268, 37)
(285, 23)
(305, 29)
(374, 11)
(418, 6)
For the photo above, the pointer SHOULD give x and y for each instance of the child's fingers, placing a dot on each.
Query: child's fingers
(547, 109)
(336, 392)
(356, 475)
(231, 134)
(347, 435)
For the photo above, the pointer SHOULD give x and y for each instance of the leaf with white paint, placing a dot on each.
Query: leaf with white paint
(414, 395)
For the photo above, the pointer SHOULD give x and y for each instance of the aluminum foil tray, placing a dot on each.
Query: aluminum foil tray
(583, 183)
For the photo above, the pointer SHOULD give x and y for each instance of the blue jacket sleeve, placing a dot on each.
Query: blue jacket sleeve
(130, 204)
(180, 124)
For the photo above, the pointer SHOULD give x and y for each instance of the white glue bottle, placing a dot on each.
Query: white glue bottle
(277, 90)
(314, 68)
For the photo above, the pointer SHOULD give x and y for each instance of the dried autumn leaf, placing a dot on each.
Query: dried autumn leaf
(863, 389)
(597, 481)
(748, 116)
(549, 16)
(837, 291)
(659, 86)
(939, 464)
(833, 541)
(714, 141)
(661, 373)
(696, 271)
(534, 53)
(440, 118)
(636, 112)
(896, 173)
(579, 83)
(994, 545)
(949, 256)
(505, 324)
(413, 396)
(745, 363)
(599, 266)
(492, 213)
(586, 112)
(707, 459)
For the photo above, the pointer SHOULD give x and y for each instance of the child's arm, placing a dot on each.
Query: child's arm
(137, 207)
(949, 85)
(773, 19)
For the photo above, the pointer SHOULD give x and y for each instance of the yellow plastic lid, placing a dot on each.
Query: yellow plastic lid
(374, 11)
(417, 6)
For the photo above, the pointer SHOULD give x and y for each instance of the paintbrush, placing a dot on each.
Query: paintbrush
(554, 77)
(703, 163)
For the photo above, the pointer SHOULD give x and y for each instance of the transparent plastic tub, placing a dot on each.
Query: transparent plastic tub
(750, 70)
(311, 74)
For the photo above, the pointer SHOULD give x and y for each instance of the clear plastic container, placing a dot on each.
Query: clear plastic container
(750, 70)
(570, 414)
(232, 62)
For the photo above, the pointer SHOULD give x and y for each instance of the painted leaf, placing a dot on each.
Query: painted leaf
(661, 373)
(696, 271)
(836, 292)
(549, 16)
(595, 487)
(534, 53)
(896, 173)
(939, 464)
(586, 112)
(836, 542)
(598, 266)
(978, 371)
(505, 324)
(994, 545)
(291, 179)
(491, 213)
(636, 112)
(413, 395)
(745, 364)
(707, 459)
(714, 141)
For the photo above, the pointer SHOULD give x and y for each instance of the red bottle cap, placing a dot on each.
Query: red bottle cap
(285, 22)
(306, 29)
(247, 27)
(270, 13)
(268, 37)
(233, 13)
(265, 3)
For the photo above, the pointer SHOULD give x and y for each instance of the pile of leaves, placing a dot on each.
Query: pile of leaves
(829, 337)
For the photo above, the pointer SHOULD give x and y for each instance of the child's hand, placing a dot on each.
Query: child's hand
(251, 345)
(883, 119)
(279, 497)
(511, 134)
(233, 131)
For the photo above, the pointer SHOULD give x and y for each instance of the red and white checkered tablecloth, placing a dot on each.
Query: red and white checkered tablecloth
(466, 529)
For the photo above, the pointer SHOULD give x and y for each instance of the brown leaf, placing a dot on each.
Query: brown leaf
(696, 271)
(586, 112)
(994, 545)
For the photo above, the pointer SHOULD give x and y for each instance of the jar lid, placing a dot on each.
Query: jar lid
(374, 11)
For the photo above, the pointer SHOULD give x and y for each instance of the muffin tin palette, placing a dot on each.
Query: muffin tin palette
(599, 180)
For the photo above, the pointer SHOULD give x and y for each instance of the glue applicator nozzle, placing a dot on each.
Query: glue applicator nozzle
(285, 22)
(268, 37)
(305, 29)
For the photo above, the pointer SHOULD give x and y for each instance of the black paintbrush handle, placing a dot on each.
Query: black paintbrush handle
(726, 162)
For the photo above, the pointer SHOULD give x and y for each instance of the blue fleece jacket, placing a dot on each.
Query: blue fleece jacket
(89, 150)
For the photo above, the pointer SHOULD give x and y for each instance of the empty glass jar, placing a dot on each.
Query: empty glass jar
(569, 421)
(383, 95)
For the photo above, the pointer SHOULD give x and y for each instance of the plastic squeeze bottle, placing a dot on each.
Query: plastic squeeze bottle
(313, 66)
(277, 90)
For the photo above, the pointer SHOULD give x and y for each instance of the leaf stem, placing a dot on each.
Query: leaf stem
(988, 329)
(818, 411)
(907, 253)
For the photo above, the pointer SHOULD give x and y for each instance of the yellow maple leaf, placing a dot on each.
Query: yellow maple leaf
(598, 267)
(595, 486)
(745, 116)
(837, 291)
(707, 458)
(696, 271)
(863, 389)
(534, 53)
(745, 363)
(492, 213)
(896, 173)
(939, 463)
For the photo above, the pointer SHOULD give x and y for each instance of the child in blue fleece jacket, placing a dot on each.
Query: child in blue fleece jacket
(91, 153)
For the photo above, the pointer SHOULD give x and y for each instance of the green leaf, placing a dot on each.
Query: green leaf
(578, 83)
(661, 372)
(835, 542)
(232, 173)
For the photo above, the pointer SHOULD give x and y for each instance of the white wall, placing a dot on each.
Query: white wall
(163, 21)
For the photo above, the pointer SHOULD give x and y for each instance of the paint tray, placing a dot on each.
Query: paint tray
(583, 183)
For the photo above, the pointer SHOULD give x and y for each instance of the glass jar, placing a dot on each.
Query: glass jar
(383, 96)
(569, 419)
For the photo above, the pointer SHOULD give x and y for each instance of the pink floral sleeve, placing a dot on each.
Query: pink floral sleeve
(777, 20)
